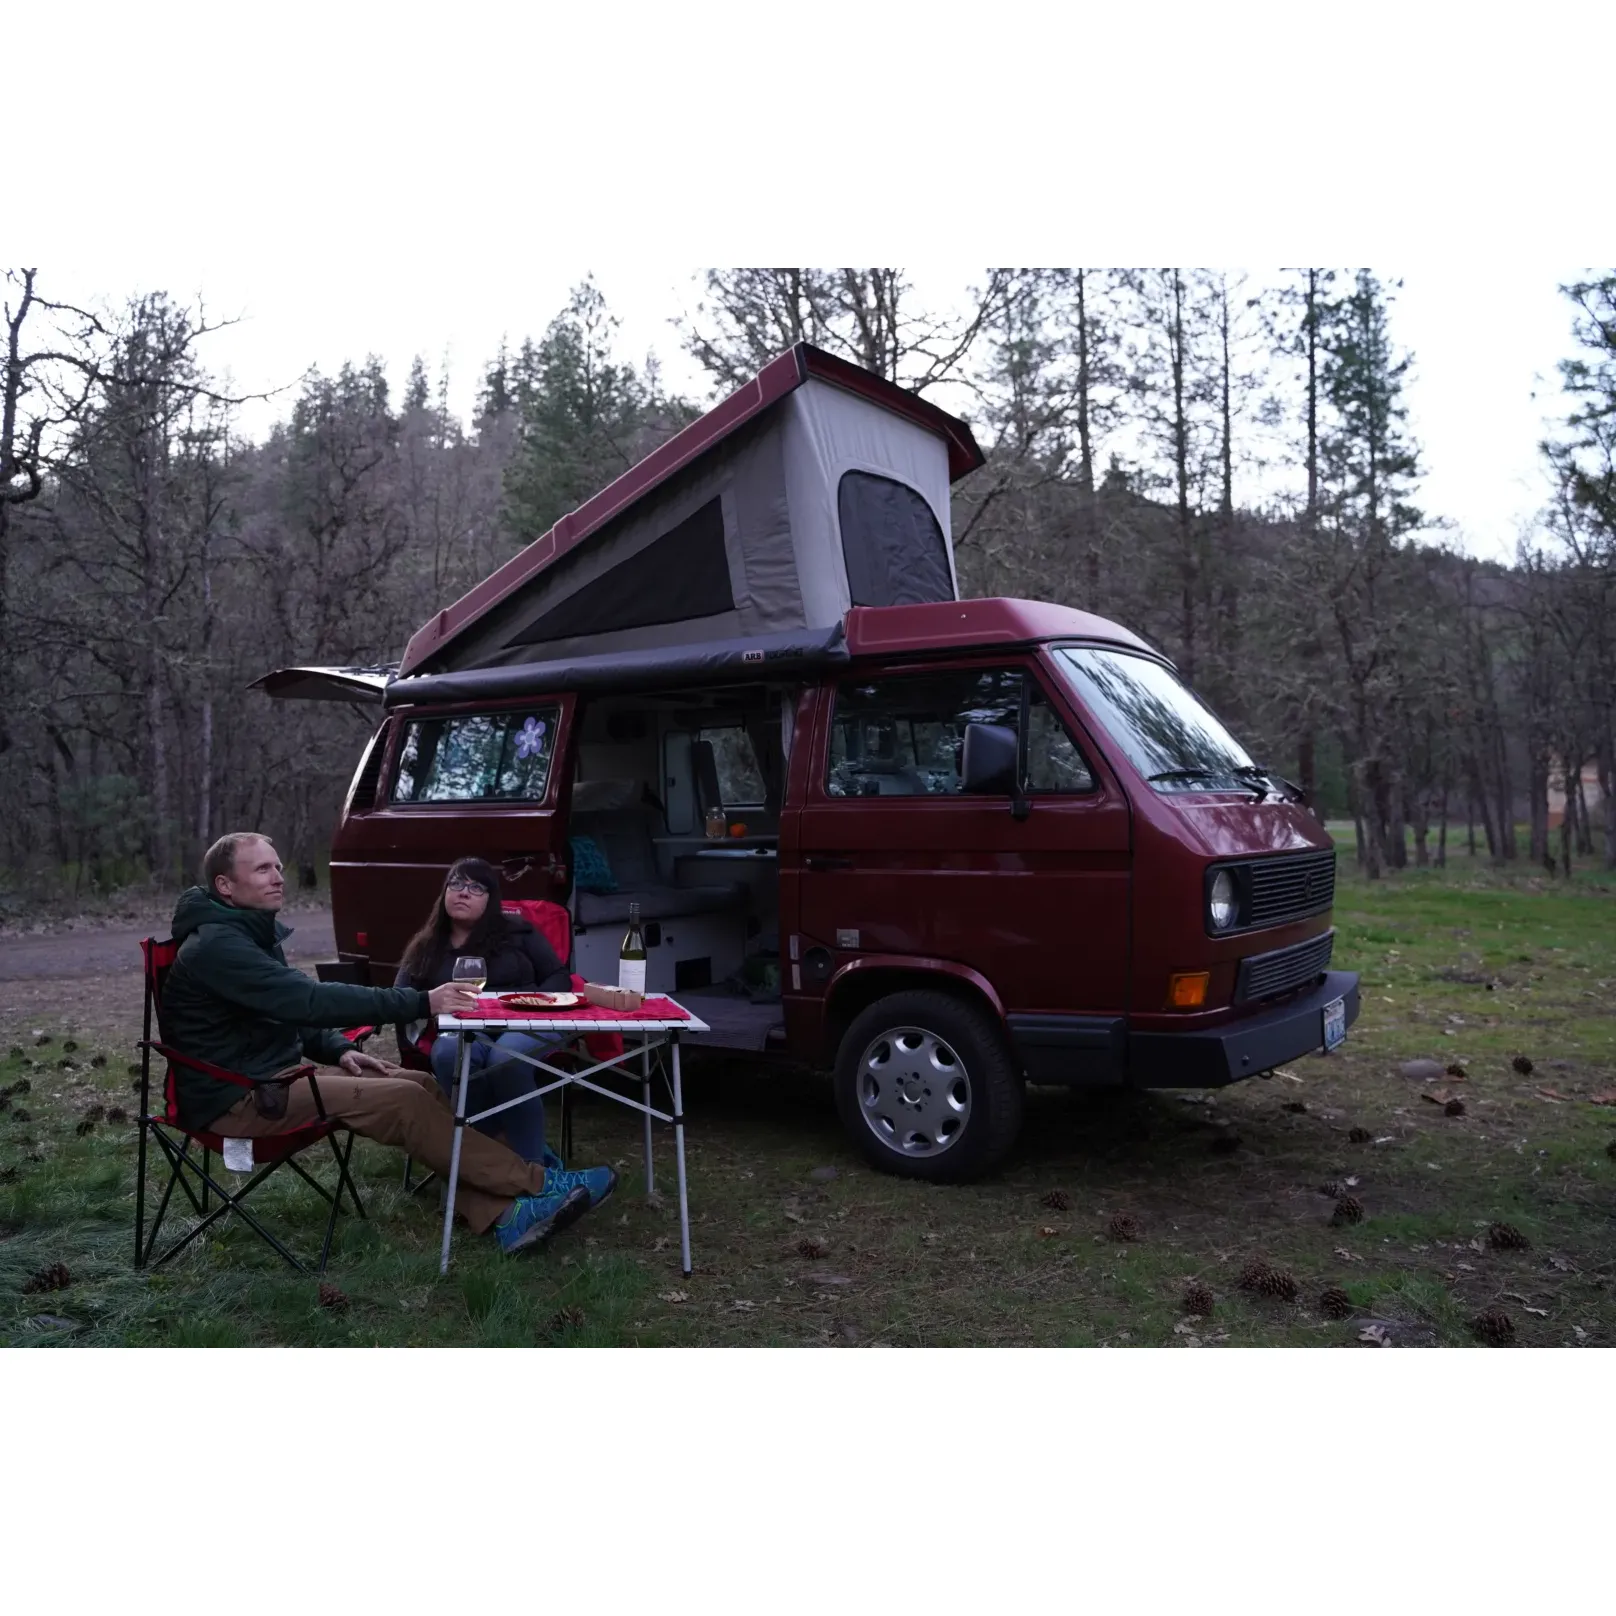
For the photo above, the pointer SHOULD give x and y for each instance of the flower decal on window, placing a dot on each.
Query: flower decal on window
(530, 739)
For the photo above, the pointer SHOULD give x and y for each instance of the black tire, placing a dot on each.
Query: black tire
(874, 1113)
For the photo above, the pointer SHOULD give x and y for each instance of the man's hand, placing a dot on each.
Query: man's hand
(356, 1062)
(453, 998)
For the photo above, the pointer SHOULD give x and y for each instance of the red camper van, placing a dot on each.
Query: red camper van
(942, 847)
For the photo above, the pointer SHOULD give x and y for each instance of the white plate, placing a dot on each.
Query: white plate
(541, 1001)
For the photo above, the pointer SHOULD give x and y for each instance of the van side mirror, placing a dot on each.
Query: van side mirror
(990, 761)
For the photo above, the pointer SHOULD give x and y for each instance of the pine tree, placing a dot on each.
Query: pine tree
(1369, 466)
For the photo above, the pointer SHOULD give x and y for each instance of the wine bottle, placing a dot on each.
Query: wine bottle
(631, 958)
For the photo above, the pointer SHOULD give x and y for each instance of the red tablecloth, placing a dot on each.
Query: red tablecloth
(654, 1009)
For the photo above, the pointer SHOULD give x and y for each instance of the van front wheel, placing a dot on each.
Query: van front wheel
(926, 1086)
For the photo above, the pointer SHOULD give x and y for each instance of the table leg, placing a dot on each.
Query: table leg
(454, 1154)
(679, 1157)
(645, 1094)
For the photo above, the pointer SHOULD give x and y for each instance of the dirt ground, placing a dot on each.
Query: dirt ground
(101, 961)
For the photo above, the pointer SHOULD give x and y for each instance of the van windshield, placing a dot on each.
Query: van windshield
(1168, 734)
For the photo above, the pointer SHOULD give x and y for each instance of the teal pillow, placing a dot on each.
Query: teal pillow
(590, 871)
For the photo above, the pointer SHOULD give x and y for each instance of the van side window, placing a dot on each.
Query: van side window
(902, 737)
(486, 757)
(1053, 760)
(740, 780)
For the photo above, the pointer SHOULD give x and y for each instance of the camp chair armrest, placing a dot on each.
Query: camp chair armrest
(208, 1069)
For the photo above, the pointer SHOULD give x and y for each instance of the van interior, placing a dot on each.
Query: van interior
(649, 773)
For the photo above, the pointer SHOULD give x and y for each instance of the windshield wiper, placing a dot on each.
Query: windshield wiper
(1202, 773)
(1251, 778)
(1250, 771)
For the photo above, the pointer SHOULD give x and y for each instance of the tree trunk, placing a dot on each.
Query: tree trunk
(1307, 771)
(1585, 828)
(1537, 786)
(1442, 831)
(1420, 819)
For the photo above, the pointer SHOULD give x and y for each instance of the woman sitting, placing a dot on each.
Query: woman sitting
(467, 919)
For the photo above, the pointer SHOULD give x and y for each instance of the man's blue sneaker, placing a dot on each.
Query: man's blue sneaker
(598, 1181)
(532, 1219)
(552, 1162)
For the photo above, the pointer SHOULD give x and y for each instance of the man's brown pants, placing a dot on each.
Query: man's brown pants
(406, 1109)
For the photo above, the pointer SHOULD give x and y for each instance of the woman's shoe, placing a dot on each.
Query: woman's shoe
(598, 1181)
(532, 1219)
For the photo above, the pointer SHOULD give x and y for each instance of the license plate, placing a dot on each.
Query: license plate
(1335, 1023)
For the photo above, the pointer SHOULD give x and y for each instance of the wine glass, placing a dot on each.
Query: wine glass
(472, 971)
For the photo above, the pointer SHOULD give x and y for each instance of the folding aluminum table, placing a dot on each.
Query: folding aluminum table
(640, 1033)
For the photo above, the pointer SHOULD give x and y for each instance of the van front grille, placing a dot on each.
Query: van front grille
(1264, 976)
(1283, 889)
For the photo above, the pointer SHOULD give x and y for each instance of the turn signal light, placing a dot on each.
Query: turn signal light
(1186, 990)
(362, 938)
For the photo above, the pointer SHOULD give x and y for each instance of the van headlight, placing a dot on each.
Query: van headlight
(1222, 902)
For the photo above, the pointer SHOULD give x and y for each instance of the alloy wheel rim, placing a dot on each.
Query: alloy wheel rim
(914, 1092)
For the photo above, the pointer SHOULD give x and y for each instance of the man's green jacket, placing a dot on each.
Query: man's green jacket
(232, 1000)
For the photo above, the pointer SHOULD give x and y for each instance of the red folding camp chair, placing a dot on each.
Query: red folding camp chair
(554, 922)
(270, 1151)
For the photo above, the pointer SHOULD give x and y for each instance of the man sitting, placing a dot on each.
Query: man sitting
(232, 1000)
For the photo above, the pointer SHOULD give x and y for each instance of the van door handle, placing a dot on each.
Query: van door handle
(820, 861)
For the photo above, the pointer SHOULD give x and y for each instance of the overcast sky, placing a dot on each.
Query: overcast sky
(1486, 343)
(352, 178)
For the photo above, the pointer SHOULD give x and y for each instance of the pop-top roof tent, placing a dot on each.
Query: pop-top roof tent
(816, 487)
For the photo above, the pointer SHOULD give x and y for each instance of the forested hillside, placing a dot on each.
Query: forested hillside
(1229, 472)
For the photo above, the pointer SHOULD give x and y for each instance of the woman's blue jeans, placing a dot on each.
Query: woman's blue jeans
(493, 1081)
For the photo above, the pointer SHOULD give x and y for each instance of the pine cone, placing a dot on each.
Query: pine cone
(1296, 1107)
(8, 1175)
(568, 1318)
(1524, 1067)
(1225, 1144)
(22, 1086)
(86, 1126)
(1454, 1108)
(332, 1298)
(1454, 1069)
(54, 1278)
(15, 1052)
(1495, 1327)
(1334, 1303)
(19, 1115)
(1610, 1150)
(1349, 1209)
(1197, 1299)
(95, 1113)
(1506, 1237)
(116, 1113)
(69, 1047)
(1335, 1189)
(1359, 1136)
(1276, 1282)
(813, 1250)
(1251, 1276)
(1058, 1201)
(1267, 1280)
(1122, 1227)
(98, 1061)
(5, 1099)
(43, 1039)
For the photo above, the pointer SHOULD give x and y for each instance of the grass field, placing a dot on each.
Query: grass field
(796, 1242)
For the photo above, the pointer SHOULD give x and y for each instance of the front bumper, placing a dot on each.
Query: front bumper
(1258, 1043)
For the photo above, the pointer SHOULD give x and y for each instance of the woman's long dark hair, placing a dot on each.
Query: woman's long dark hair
(487, 936)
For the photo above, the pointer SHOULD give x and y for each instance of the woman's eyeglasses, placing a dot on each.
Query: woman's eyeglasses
(472, 889)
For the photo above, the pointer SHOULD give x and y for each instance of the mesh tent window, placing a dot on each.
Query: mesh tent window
(892, 544)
